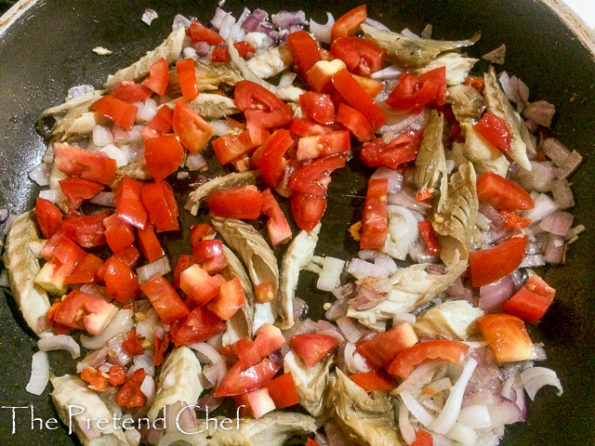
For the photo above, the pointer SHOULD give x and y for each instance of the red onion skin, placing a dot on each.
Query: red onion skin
(492, 296)
(366, 299)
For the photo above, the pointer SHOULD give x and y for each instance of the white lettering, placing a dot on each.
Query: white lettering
(178, 426)
(104, 422)
(238, 415)
(34, 419)
(71, 414)
(49, 422)
(14, 408)
(224, 421)
(128, 423)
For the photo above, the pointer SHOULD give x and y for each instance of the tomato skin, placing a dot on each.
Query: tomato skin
(313, 178)
(307, 210)
(493, 129)
(244, 48)
(382, 348)
(304, 50)
(86, 230)
(187, 79)
(198, 326)
(375, 219)
(199, 285)
(77, 190)
(507, 337)
(164, 299)
(163, 155)
(48, 216)
(118, 234)
(261, 107)
(158, 78)
(121, 283)
(313, 347)
(220, 54)
(503, 194)
(283, 391)
(514, 220)
(184, 261)
(86, 270)
(200, 33)
(532, 301)
(244, 202)
(209, 253)
(272, 161)
(130, 395)
(355, 122)
(230, 147)
(488, 265)
(403, 149)
(88, 165)
(423, 438)
(406, 360)
(117, 375)
(94, 378)
(319, 77)
(318, 106)
(230, 299)
(413, 93)
(268, 339)
(311, 147)
(200, 232)
(160, 124)
(361, 56)
(370, 381)
(278, 228)
(429, 236)
(475, 82)
(349, 23)
(149, 243)
(159, 199)
(370, 86)
(132, 344)
(351, 91)
(306, 127)
(83, 311)
(159, 348)
(116, 110)
(129, 206)
(194, 132)
(130, 91)
(238, 381)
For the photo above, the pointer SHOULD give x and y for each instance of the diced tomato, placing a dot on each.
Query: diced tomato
(261, 107)
(307, 210)
(229, 147)
(86, 230)
(230, 299)
(118, 234)
(429, 236)
(129, 256)
(475, 82)
(88, 165)
(310, 442)
(194, 132)
(199, 286)
(158, 198)
(423, 438)
(256, 403)
(278, 228)
(258, 135)
(403, 149)
(306, 127)
(149, 243)
(116, 110)
(244, 48)
(163, 155)
(264, 292)
(320, 75)
(48, 216)
(318, 106)
(370, 86)
(200, 33)
(377, 380)
(238, 381)
(78, 189)
(62, 248)
(130, 91)
(184, 261)
(117, 375)
(187, 79)
(375, 218)
(413, 93)
(356, 97)
(97, 380)
(129, 206)
(349, 23)
(304, 50)
(220, 54)
(83, 311)
(198, 326)
(424, 194)
(507, 337)
(318, 146)
(120, 282)
(164, 298)
(49, 317)
(361, 56)
(200, 232)
(406, 360)
(86, 270)
(532, 301)
(313, 178)
(160, 124)
(313, 347)
(158, 78)
(272, 163)
(159, 348)
(268, 339)
(355, 122)
(493, 129)
(244, 202)
(130, 395)
(209, 253)
(514, 221)
(132, 344)
(488, 265)
(283, 391)
(383, 347)
(501, 193)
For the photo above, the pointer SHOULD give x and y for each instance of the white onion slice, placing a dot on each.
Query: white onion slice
(144, 361)
(323, 32)
(104, 198)
(41, 174)
(405, 426)
(148, 387)
(148, 16)
(354, 361)
(60, 342)
(395, 179)
(476, 416)
(376, 24)
(49, 194)
(349, 329)
(220, 127)
(40, 373)
(452, 407)
(102, 136)
(544, 206)
(195, 161)
(121, 323)
(159, 266)
(330, 275)
(418, 377)
(416, 409)
(215, 371)
(537, 377)
(115, 153)
(462, 434)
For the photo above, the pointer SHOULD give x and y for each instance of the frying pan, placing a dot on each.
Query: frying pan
(48, 47)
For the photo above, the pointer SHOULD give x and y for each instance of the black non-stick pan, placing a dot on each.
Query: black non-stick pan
(47, 47)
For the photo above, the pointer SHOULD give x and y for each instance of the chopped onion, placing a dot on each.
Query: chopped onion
(208, 403)
(405, 426)
(215, 371)
(115, 153)
(102, 136)
(287, 79)
(144, 361)
(147, 321)
(50, 194)
(397, 123)
(148, 387)
(195, 161)
(497, 55)
(220, 127)
(78, 90)
(60, 342)
(476, 416)
(344, 291)
(337, 309)
(148, 16)
(450, 412)
(406, 198)
(491, 296)
(180, 21)
(350, 329)
(288, 19)
(146, 110)
(40, 373)
(323, 32)
(226, 25)
(360, 268)
(395, 179)
(218, 17)
(353, 360)
(300, 307)
(330, 275)
(539, 178)
(189, 53)
(121, 323)
(535, 378)
(504, 411)
(376, 24)
(41, 174)
(104, 198)
(544, 206)
(532, 261)
(418, 377)
(570, 164)
(416, 409)
(367, 299)
(462, 434)
(555, 150)
(159, 266)
(562, 194)
(555, 248)
(540, 112)
(558, 223)
(237, 33)
(94, 290)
